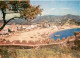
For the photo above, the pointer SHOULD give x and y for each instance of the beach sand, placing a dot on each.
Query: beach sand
(34, 34)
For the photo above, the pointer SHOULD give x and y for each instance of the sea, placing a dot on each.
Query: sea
(64, 33)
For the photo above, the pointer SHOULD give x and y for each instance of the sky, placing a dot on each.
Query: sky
(58, 7)
(54, 7)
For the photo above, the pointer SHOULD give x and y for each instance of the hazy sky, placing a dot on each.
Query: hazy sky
(58, 7)
(55, 7)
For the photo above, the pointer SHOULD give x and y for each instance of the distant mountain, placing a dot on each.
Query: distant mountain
(16, 21)
(50, 18)
(57, 19)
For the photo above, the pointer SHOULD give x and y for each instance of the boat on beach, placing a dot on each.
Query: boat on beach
(56, 35)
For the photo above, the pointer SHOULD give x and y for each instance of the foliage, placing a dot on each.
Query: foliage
(31, 12)
(77, 43)
(55, 52)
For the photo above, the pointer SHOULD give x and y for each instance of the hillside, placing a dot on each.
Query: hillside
(57, 19)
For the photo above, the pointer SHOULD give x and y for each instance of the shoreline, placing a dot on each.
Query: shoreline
(37, 36)
(62, 30)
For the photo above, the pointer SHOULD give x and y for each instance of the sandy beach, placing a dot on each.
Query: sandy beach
(35, 34)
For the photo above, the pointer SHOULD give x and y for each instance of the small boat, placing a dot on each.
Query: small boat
(56, 35)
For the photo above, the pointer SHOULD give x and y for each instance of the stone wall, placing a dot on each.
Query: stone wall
(68, 38)
(46, 41)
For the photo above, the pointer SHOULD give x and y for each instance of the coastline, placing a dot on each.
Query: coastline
(37, 36)
(63, 30)
(39, 31)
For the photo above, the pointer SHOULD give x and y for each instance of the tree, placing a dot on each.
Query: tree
(31, 13)
(18, 7)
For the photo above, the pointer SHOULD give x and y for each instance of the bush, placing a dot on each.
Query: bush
(77, 43)
(55, 52)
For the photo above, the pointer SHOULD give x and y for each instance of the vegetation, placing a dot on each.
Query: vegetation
(23, 7)
(77, 40)
(55, 52)
(31, 13)
(77, 43)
